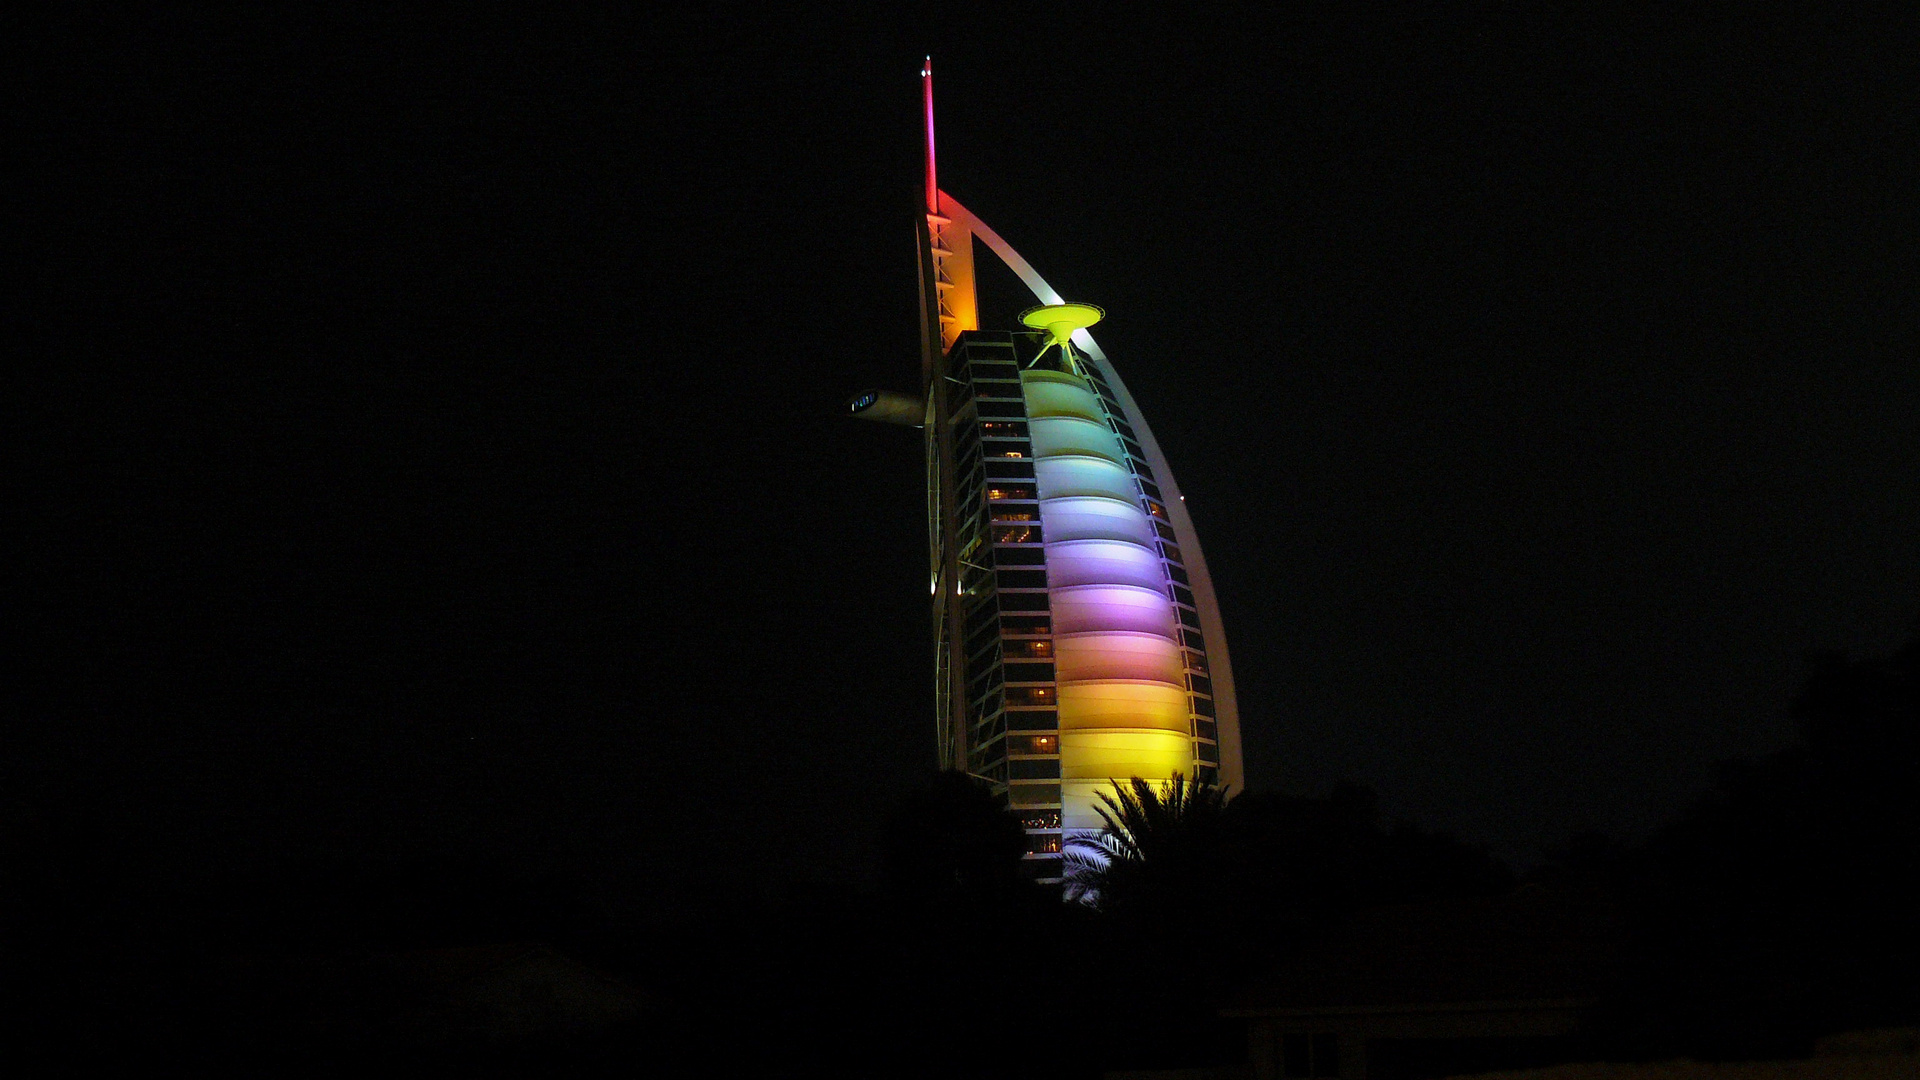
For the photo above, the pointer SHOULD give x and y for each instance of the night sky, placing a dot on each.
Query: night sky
(430, 426)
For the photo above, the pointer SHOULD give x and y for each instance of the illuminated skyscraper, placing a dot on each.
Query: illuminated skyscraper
(1077, 636)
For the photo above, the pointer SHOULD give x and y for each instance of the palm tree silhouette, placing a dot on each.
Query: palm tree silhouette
(1155, 842)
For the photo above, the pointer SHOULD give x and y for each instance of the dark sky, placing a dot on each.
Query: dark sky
(431, 440)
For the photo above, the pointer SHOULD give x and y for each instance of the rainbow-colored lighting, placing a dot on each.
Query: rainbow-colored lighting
(1078, 636)
(1123, 696)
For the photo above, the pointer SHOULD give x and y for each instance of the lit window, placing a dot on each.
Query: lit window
(1033, 744)
(1043, 843)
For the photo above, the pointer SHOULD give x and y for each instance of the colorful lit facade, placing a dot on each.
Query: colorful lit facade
(1077, 636)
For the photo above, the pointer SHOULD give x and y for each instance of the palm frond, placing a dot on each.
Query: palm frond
(1143, 827)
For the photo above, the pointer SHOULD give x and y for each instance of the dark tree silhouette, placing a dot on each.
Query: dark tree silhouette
(1158, 844)
(1782, 906)
(950, 839)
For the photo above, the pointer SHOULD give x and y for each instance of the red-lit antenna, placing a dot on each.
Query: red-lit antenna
(926, 92)
(949, 252)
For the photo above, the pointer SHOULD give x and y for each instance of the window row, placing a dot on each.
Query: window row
(1023, 601)
(1025, 624)
(1033, 744)
(1007, 556)
(1021, 579)
(986, 362)
(1030, 695)
(1035, 650)
(1024, 795)
(1033, 720)
(1040, 819)
(1029, 671)
(1043, 843)
(981, 629)
(1017, 534)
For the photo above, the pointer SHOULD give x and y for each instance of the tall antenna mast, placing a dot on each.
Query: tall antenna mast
(950, 245)
(926, 93)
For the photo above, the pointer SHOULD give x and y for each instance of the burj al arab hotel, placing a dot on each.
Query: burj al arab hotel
(1077, 636)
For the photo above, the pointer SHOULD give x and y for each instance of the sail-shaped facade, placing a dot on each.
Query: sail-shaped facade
(1078, 639)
